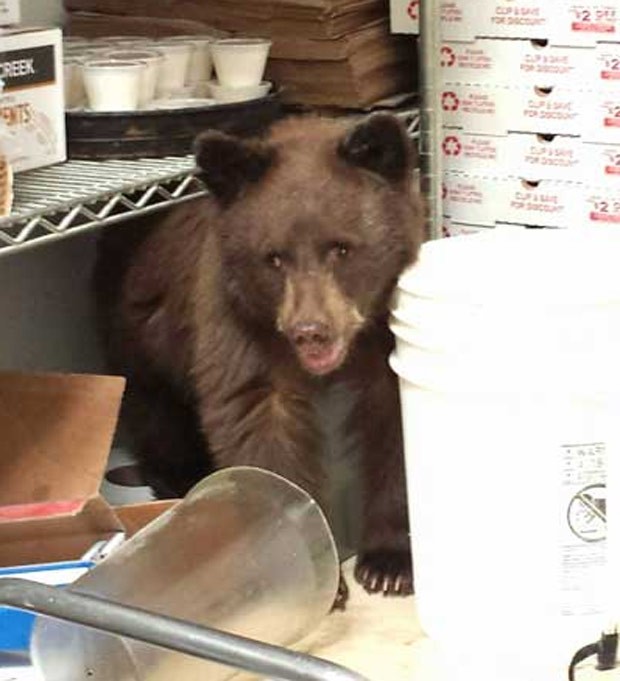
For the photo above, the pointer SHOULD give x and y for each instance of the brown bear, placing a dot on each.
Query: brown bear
(230, 314)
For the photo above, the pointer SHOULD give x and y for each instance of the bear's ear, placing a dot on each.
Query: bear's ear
(380, 144)
(227, 164)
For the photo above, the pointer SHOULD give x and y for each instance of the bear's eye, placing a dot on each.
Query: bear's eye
(275, 259)
(340, 249)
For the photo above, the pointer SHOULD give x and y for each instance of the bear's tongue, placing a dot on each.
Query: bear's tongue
(321, 358)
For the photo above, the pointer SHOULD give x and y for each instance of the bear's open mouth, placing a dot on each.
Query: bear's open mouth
(321, 358)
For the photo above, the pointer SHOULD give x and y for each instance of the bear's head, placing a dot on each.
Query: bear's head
(315, 222)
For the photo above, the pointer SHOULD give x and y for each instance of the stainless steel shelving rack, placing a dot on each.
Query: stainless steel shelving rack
(52, 203)
(56, 202)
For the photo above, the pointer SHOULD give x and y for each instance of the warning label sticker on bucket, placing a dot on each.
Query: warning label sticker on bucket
(587, 513)
(584, 527)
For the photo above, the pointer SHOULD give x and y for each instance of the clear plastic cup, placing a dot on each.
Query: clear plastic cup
(246, 552)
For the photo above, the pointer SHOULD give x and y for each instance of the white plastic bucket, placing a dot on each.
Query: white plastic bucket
(507, 355)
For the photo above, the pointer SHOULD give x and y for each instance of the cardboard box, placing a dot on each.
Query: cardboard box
(593, 115)
(458, 18)
(321, 19)
(532, 157)
(600, 206)
(518, 19)
(405, 16)
(9, 12)
(451, 228)
(586, 22)
(487, 201)
(466, 20)
(490, 109)
(601, 117)
(32, 103)
(562, 22)
(57, 432)
(526, 62)
(471, 199)
(605, 68)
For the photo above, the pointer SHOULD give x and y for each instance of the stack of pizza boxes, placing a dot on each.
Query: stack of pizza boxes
(530, 99)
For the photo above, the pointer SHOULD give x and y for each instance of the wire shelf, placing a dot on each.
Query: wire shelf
(51, 203)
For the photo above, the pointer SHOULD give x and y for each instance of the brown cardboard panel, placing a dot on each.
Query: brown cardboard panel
(265, 8)
(65, 537)
(319, 83)
(306, 18)
(136, 516)
(92, 24)
(37, 550)
(57, 432)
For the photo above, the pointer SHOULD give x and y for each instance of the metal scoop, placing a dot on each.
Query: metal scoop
(246, 557)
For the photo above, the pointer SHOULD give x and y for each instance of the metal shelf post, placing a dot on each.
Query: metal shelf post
(430, 128)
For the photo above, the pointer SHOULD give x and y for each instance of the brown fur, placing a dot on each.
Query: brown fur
(231, 313)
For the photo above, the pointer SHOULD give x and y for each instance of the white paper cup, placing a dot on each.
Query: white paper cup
(200, 61)
(240, 62)
(113, 85)
(153, 60)
(174, 67)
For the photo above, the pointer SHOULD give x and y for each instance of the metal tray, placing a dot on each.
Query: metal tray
(96, 135)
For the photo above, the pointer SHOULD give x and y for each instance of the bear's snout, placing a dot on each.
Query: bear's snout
(318, 322)
(311, 333)
(319, 350)
(317, 345)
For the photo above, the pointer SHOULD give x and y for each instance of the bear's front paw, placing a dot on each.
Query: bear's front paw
(386, 572)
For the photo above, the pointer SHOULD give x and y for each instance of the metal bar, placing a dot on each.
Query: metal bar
(147, 196)
(108, 207)
(66, 221)
(430, 132)
(211, 644)
(183, 185)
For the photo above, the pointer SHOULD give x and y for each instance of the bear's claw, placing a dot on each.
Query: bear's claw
(386, 572)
